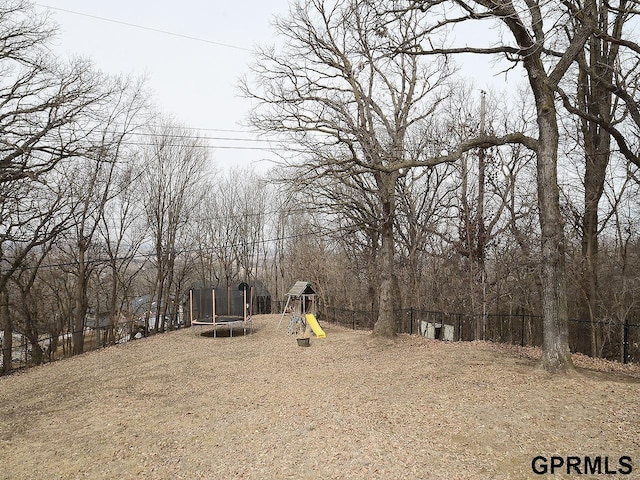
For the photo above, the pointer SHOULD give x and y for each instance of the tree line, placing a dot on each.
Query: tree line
(370, 90)
(401, 185)
(102, 199)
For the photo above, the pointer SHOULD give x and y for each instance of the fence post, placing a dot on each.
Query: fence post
(459, 328)
(625, 342)
(411, 320)
(522, 332)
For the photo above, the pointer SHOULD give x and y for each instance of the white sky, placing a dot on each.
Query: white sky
(194, 81)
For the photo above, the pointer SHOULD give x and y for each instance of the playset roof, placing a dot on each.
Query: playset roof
(301, 288)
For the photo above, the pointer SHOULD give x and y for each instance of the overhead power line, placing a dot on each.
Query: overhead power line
(151, 255)
(227, 130)
(201, 137)
(198, 136)
(143, 27)
(145, 139)
(218, 147)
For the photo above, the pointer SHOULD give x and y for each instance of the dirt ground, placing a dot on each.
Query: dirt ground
(348, 407)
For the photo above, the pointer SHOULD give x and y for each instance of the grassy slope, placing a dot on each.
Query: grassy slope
(350, 406)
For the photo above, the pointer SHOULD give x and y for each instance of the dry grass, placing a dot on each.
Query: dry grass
(350, 406)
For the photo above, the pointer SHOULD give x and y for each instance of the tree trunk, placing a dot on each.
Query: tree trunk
(373, 275)
(114, 311)
(81, 307)
(37, 353)
(594, 98)
(7, 332)
(159, 299)
(556, 356)
(596, 163)
(386, 324)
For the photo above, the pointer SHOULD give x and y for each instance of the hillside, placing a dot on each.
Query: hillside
(350, 406)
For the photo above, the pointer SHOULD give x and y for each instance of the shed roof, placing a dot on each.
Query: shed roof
(301, 288)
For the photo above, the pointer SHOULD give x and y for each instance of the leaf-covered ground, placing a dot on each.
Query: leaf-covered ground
(350, 406)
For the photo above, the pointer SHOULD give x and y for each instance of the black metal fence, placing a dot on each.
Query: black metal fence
(616, 340)
(613, 340)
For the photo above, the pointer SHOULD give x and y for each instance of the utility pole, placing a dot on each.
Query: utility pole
(481, 233)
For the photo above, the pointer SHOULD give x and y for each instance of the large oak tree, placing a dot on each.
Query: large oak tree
(529, 37)
(362, 113)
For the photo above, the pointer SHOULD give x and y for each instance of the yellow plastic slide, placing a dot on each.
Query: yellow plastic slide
(315, 326)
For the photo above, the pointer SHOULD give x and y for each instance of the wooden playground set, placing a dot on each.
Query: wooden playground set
(301, 307)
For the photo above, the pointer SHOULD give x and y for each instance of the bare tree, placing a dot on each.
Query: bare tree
(346, 210)
(120, 226)
(6, 324)
(45, 107)
(175, 168)
(32, 214)
(533, 30)
(92, 179)
(618, 292)
(250, 217)
(232, 227)
(608, 80)
(122, 232)
(41, 100)
(280, 226)
(351, 103)
(423, 200)
(213, 258)
(29, 309)
(599, 96)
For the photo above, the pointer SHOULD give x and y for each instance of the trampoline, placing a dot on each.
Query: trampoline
(221, 308)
